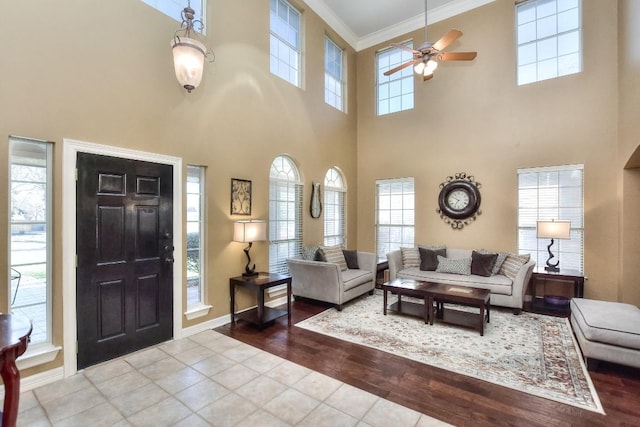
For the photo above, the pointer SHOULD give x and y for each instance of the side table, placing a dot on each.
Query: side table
(381, 276)
(568, 277)
(260, 315)
(14, 338)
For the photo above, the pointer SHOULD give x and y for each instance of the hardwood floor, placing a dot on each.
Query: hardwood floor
(456, 399)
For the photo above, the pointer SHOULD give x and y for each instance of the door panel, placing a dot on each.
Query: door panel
(124, 237)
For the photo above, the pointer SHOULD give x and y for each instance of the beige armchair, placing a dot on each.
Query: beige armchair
(323, 281)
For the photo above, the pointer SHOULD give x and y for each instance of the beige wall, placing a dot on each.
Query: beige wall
(472, 117)
(101, 71)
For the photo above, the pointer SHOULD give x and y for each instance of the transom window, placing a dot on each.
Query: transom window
(30, 235)
(394, 92)
(285, 213)
(395, 215)
(549, 39)
(195, 235)
(333, 76)
(552, 193)
(173, 9)
(335, 192)
(284, 24)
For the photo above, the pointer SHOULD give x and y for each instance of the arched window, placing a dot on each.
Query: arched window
(334, 208)
(285, 213)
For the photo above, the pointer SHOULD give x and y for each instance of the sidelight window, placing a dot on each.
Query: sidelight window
(195, 236)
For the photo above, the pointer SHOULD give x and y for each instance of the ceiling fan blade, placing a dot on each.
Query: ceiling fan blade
(400, 67)
(427, 77)
(408, 49)
(447, 39)
(457, 56)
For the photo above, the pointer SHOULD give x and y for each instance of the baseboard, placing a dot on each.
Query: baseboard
(43, 378)
(209, 324)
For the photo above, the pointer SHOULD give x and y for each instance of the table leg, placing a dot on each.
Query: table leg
(11, 379)
(427, 314)
(261, 308)
(232, 303)
(482, 319)
(489, 310)
(384, 302)
(399, 303)
(289, 302)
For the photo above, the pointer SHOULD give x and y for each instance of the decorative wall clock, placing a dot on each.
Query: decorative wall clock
(459, 200)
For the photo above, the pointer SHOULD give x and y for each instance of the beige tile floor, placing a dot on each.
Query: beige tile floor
(208, 379)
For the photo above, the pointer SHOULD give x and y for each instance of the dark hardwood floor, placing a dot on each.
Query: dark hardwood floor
(454, 398)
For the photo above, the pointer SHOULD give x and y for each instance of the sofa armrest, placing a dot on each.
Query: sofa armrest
(316, 279)
(394, 259)
(521, 281)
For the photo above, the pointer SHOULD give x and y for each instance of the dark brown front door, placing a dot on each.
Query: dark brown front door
(124, 278)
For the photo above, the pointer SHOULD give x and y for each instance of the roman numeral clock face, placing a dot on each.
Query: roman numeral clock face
(459, 200)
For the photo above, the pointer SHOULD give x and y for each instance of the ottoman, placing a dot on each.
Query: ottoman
(607, 331)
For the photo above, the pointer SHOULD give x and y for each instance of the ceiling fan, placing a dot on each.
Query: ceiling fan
(426, 56)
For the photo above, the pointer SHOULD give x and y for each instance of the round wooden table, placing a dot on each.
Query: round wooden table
(14, 338)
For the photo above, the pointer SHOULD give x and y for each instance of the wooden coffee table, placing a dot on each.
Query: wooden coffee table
(462, 295)
(411, 288)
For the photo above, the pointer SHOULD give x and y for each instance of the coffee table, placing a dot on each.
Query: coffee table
(411, 288)
(462, 295)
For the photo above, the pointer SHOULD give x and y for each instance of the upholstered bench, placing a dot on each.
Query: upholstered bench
(607, 331)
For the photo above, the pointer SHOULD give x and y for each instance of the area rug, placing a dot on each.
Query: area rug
(532, 353)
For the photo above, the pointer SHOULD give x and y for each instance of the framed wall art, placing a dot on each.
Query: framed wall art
(240, 197)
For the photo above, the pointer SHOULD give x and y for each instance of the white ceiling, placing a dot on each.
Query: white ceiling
(364, 23)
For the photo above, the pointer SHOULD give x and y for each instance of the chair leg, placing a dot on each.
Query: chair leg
(517, 311)
(339, 307)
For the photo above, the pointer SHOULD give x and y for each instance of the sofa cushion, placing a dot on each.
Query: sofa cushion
(351, 257)
(353, 278)
(410, 257)
(429, 258)
(497, 284)
(499, 261)
(608, 322)
(333, 254)
(455, 266)
(512, 264)
(309, 252)
(482, 264)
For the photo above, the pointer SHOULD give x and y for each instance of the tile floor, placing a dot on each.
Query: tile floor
(208, 379)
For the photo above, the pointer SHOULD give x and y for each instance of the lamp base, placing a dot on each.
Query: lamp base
(251, 275)
(552, 269)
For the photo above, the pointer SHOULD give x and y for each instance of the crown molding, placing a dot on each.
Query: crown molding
(327, 14)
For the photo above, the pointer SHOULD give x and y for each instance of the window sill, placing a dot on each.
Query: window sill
(38, 354)
(196, 311)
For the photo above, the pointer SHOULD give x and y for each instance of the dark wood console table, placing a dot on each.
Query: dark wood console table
(568, 277)
(14, 338)
(261, 315)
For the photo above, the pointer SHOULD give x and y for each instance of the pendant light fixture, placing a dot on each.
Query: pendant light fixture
(189, 51)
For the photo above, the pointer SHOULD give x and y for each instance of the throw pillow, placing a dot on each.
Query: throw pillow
(512, 264)
(410, 257)
(482, 264)
(501, 257)
(454, 265)
(320, 255)
(309, 252)
(352, 259)
(334, 255)
(429, 258)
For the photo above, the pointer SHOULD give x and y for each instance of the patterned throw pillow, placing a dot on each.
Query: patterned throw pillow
(410, 257)
(309, 252)
(333, 254)
(501, 257)
(454, 265)
(512, 264)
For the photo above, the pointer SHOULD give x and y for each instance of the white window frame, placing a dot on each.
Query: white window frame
(334, 83)
(335, 215)
(548, 45)
(552, 193)
(173, 9)
(195, 192)
(42, 321)
(285, 42)
(394, 93)
(285, 213)
(395, 215)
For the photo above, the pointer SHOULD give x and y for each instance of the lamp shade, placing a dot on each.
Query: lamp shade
(554, 229)
(250, 231)
(188, 61)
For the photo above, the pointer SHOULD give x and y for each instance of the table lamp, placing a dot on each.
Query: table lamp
(553, 230)
(248, 232)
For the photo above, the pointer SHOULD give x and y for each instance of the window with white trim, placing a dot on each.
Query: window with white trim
(195, 235)
(549, 39)
(335, 193)
(552, 193)
(285, 41)
(395, 215)
(285, 213)
(173, 9)
(394, 92)
(30, 242)
(333, 75)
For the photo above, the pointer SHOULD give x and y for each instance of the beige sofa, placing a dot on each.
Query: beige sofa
(324, 281)
(504, 291)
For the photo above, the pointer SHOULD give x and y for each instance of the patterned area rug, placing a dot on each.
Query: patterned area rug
(532, 353)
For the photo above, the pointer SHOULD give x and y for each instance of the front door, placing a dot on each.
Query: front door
(124, 278)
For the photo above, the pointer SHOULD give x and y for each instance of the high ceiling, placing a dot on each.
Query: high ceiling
(364, 23)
